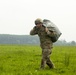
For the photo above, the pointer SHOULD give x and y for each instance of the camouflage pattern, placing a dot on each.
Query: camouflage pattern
(46, 45)
(46, 58)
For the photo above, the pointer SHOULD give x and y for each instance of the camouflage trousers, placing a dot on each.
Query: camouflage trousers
(46, 58)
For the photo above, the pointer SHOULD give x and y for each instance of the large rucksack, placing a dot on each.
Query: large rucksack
(52, 27)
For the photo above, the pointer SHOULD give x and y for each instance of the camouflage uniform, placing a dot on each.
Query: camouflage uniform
(46, 45)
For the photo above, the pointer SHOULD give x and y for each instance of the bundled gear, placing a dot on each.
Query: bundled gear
(52, 28)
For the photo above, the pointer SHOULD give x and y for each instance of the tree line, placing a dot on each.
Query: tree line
(28, 39)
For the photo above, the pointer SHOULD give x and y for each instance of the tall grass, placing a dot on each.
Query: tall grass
(25, 60)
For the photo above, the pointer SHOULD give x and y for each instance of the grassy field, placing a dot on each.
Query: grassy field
(25, 60)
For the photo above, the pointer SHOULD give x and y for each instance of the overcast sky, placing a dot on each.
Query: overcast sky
(17, 16)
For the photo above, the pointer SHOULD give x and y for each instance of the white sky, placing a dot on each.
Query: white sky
(17, 16)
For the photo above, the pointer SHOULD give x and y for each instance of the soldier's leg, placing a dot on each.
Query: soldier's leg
(43, 60)
(46, 58)
(48, 61)
(43, 63)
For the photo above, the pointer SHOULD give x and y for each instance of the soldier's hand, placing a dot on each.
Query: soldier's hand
(46, 29)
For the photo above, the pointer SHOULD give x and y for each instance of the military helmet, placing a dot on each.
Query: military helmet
(38, 20)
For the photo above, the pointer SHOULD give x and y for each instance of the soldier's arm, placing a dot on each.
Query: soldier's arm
(34, 31)
(50, 33)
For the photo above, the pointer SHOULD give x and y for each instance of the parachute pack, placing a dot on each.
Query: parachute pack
(52, 27)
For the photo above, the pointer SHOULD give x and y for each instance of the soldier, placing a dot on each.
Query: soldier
(45, 42)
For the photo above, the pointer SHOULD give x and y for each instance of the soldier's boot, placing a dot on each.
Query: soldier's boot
(50, 64)
(43, 63)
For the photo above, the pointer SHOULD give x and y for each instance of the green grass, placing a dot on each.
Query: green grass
(25, 60)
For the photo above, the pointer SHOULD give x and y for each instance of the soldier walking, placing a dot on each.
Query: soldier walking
(45, 42)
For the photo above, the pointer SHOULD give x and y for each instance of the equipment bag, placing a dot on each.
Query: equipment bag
(52, 27)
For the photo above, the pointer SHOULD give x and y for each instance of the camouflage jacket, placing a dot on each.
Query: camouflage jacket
(45, 40)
